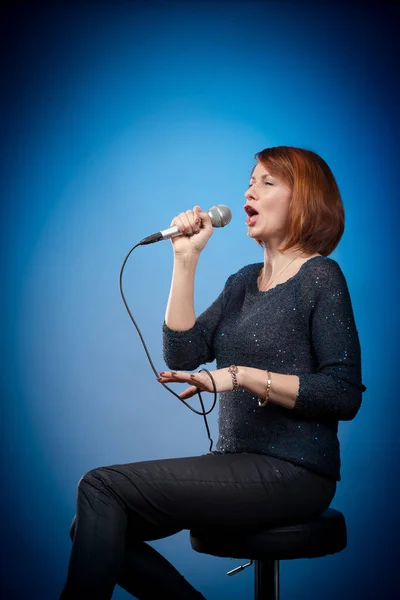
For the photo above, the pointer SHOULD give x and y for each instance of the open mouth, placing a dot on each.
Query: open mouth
(252, 214)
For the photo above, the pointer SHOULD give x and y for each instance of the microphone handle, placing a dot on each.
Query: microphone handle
(165, 234)
(169, 233)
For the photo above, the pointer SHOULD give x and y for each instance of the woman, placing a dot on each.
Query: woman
(288, 369)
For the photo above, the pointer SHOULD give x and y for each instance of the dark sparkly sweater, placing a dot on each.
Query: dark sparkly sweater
(304, 326)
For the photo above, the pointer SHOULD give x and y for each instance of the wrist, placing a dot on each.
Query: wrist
(242, 376)
(186, 260)
(233, 370)
(256, 381)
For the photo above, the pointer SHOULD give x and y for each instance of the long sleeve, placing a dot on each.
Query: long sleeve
(335, 389)
(186, 350)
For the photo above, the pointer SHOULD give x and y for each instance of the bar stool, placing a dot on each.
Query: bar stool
(313, 538)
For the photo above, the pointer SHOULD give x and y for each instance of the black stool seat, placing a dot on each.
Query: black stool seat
(314, 538)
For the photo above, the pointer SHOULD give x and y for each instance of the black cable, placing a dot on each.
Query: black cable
(204, 412)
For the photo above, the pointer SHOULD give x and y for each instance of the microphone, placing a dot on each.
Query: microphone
(220, 216)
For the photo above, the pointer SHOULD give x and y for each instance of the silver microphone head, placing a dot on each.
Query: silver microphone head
(220, 215)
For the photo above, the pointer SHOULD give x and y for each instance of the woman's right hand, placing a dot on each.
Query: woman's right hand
(196, 227)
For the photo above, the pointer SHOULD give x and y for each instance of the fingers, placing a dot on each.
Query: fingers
(188, 393)
(187, 222)
(178, 376)
(183, 377)
(191, 221)
(205, 219)
(204, 216)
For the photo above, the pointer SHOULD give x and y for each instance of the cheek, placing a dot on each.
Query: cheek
(282, 206)
(276, 207)
(277, 213)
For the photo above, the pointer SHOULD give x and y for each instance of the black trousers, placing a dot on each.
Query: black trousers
(120, 507)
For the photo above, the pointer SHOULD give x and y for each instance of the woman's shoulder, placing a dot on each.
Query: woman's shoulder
(321, 273)
(322, 266)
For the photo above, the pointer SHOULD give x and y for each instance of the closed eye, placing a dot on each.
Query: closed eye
(264, 183)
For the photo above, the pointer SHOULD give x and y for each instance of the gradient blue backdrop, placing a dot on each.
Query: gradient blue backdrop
(117, 116)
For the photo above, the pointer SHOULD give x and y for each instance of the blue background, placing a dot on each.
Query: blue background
(117, 116)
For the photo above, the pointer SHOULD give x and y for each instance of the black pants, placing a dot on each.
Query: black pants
(121, 506)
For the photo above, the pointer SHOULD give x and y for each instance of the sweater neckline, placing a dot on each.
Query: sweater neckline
(279, 285)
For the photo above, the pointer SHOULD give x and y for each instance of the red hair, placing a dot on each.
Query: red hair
(316, 213)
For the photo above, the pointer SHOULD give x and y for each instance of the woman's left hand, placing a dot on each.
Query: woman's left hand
(198, 381)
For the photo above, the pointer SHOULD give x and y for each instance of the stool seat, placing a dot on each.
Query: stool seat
(313, 538)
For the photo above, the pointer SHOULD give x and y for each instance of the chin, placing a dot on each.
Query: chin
(253, 232)
(256, 238)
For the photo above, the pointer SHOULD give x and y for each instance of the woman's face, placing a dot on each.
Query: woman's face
(267, 206)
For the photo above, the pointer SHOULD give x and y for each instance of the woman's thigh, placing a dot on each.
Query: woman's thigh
(166, 495)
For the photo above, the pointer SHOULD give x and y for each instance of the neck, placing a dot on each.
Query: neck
(275, 259)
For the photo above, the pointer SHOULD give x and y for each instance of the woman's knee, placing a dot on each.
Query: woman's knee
(93, 484)
(95, 478)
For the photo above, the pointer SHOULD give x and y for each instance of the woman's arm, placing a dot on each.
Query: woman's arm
(180, 315)
(187, 341)
(323, 397)
(335, 389)
(196, 229)
(189, 348)
(283, 391)
(183, 346)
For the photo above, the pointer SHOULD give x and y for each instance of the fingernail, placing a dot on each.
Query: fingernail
(159, 378)
(198, 208)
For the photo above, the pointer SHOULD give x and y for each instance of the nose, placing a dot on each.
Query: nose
(250, 193)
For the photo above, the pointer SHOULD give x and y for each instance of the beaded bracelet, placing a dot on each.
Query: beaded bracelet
(233, 370)
(264, 401)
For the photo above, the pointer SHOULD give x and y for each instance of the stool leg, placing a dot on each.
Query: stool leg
(266, 580)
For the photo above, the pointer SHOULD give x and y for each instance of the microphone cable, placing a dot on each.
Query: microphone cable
(204, 413)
